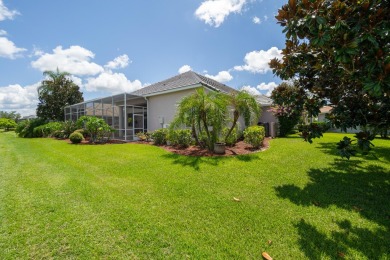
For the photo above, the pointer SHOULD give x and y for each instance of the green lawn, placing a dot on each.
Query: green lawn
(136, 201)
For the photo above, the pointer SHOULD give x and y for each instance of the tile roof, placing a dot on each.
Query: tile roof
(183, 80)
(325, 109)
(263, 100)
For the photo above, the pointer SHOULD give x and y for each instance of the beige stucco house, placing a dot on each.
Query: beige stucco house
(152, 107)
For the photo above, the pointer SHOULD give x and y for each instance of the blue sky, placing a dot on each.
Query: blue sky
(120, 46)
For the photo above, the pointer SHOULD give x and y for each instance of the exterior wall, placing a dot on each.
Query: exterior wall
(267, 117)
(162, 110)
(321, 117)
(163, 107)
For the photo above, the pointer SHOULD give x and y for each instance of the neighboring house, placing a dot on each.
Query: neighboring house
(322, 118)
(323, 112)
(152, 107)
(28, 117)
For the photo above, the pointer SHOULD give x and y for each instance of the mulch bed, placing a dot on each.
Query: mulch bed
(239, 148)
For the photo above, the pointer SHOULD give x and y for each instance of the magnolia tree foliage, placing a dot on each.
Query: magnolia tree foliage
(340, 51)
(55, 93)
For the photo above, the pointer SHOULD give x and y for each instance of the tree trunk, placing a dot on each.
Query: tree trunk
(204, 120)
(236, 116)
(194, 132)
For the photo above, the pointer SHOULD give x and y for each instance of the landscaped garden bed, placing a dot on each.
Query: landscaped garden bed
(240, 148)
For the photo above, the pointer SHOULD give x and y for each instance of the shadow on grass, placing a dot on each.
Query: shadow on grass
(196, 161)
(316, 245)
(192, 161)
(328, 148)
(350, 186)
(381, 153)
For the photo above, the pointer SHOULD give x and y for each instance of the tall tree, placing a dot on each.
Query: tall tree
(289, 100)
(10, 115)
(57, 90)
(340, 51)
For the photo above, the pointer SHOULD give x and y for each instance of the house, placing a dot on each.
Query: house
(152, 107)
(323, 112)
(28, 117)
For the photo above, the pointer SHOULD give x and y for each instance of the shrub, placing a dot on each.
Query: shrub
(47, 130)
(232, 138)
(68, 127)
(180, 137)
(25, 128)
(143, 136)
(172, 137)
(96, 128)
(37, 131)
(59, 134)
(76, 137)
(254, 135)
(81, 131)
(160, 136)
(286, 125)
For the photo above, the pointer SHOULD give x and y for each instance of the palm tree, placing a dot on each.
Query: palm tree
(243, 104)
(188, 114)
(53, 79)
(205, 112)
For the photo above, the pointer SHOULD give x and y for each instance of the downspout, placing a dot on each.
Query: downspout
(125, 115)
(147, 113)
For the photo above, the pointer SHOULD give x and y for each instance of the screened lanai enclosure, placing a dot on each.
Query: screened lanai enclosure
(125, 113)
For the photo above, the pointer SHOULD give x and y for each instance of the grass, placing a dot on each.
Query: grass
(133, 201)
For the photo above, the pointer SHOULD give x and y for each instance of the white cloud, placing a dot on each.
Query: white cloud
(256, 20)
(257, 61)
(112, 82)
(184, 68)
(5, 13)
(268, 87)
(214, 12)
(24, 100)
(222, 76)
(259, 89)
(75, 60)
(36, 52)
(8, 49)
(265, 18)
(119, 62)
(76, 80)
(251, 90)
